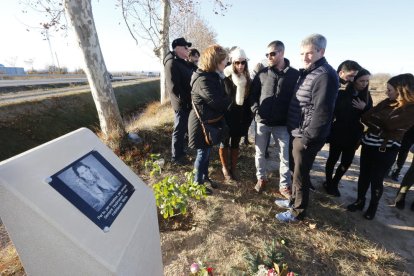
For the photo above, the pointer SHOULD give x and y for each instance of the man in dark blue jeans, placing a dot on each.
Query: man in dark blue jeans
(177, 79)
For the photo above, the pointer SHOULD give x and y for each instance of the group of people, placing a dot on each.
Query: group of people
(301, 109)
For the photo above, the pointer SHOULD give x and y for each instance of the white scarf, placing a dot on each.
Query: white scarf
(240, 82)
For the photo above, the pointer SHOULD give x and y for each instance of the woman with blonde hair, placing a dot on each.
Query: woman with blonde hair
(387, 123)
(210, 102)
(239, 116)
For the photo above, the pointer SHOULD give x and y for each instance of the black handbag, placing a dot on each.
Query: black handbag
(213, 130)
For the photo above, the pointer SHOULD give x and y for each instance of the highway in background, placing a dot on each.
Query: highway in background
(42, 93)
(45, 81)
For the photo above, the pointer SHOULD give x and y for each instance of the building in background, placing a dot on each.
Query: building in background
(11, 71)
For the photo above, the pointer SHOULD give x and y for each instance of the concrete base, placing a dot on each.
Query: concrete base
(52, 237)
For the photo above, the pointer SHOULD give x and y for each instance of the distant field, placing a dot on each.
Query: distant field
(29, 124)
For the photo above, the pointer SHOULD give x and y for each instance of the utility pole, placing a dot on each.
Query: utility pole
(50, 47)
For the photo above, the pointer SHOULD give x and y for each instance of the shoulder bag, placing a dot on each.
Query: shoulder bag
(212, 129)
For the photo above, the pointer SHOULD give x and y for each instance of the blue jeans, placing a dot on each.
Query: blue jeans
(201, 165)
(180, 129)
(281, 136)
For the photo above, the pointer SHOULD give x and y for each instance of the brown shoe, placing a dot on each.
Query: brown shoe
(285, 192)
(260, 185)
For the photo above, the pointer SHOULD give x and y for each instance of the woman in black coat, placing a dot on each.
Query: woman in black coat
(210, 102)
(347, 129)
(239, 116)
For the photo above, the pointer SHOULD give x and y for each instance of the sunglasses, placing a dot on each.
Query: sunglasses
(240, 62)
(272, 54)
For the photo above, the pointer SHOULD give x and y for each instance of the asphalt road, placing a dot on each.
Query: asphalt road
(38, 94)
(41, 81)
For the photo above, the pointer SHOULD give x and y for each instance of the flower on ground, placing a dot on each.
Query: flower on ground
(262, 271)
(271, 272)
(200, 269)
(194, 268)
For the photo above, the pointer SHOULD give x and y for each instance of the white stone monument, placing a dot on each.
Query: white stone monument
(63, 225)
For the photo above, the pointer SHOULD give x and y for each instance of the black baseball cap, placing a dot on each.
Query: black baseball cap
(180, 42)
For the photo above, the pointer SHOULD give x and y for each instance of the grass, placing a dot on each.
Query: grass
(235, 220)
(26, 125)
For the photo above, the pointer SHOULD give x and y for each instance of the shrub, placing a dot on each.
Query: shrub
(172, 198)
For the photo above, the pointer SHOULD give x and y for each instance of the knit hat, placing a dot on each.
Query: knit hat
(237, 53)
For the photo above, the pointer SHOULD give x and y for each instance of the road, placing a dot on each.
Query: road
(24, 96)
(43, 81)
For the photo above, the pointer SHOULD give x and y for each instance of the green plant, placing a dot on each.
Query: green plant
(268, 263)
(154, 164)
(172, 197)
(271, 255)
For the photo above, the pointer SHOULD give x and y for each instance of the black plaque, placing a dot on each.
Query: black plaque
(95, 187)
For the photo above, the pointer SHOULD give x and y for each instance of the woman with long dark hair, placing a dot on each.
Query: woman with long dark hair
(387, 123)
(347, 129)
(239, 116)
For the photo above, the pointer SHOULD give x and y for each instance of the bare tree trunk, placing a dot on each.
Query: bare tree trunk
(80, 16)
(165, 41)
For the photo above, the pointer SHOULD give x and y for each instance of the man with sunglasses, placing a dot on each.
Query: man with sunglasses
(177, 78)
(272, 90)
(309, 119)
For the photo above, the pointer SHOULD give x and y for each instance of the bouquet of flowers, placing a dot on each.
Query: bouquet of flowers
(201, 269)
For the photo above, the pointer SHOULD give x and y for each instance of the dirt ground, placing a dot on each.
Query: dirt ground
(391, 227)
(216, 232)
(224, 234)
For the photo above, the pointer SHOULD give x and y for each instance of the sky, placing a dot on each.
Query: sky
(378, 34)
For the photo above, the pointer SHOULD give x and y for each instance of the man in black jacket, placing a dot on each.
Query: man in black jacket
(271, 92)
(177, 78)
(193, 57)
(309, 119)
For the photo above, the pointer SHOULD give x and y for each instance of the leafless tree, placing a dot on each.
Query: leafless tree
(80, 18)
(150, 20)
(194, 28)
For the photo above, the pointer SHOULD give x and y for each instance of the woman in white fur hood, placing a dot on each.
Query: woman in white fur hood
(239, 116)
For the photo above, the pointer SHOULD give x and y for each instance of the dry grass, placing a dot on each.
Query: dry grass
(9, 260)
(155, 115)
(236, 219)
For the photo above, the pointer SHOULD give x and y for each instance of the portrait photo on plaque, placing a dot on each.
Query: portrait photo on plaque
(94, 187)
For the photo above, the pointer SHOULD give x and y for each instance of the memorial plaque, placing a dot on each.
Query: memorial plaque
(95, 187)
(72, 207)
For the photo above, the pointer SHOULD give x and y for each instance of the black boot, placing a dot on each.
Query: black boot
(400, 200)
(334, 190)
(412, 206)
(212, 183)
(357, 205)
(331, 189)
(372, 209)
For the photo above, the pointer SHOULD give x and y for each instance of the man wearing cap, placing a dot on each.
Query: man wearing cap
(272, 90)
(177, 78)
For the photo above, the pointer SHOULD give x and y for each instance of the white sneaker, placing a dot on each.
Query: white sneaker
(283, 203)
(286, 217)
